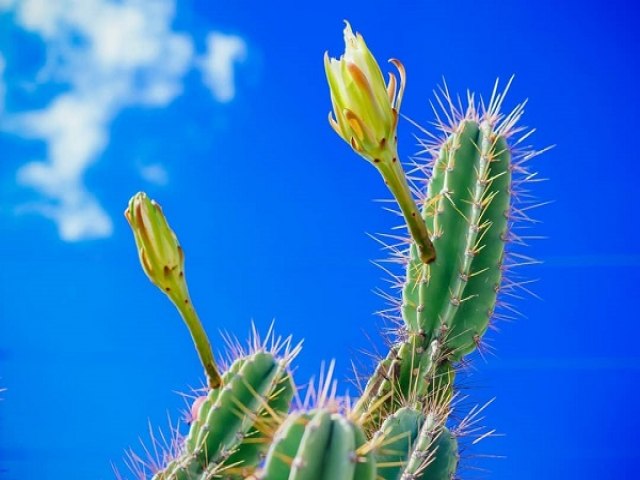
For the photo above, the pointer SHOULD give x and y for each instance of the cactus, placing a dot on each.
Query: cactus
(229, 429)
(319, 445)
(415, 445)
(446, 305)
(459, 223)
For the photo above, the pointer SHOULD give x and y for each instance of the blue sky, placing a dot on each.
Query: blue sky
(219, 112)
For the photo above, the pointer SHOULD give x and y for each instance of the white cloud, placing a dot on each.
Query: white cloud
(155, 174)
(223, 51)
(111, 55)
(74, 131)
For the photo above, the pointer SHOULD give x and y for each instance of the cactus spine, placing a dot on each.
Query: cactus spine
(453, 260)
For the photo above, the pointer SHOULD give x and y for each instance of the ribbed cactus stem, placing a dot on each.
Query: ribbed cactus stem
(319, 445)
(447, 304)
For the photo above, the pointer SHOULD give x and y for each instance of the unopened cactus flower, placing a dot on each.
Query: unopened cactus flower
(365, 108)
(160, 253)
(365, 115)
(162, 259)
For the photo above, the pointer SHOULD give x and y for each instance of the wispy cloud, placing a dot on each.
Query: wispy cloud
(155, 173)
(109, 55)
(223, 51)
(75, 129)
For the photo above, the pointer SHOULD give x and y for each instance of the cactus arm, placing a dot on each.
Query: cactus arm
(469, 223)
(284, 448)
(415, 445)
(203, 411)
(485, 271)
(308, 464)
(223, 423)
(443, 458)
(319, 445)
(450, 224)
(340, 458)
(435, 455)
(447, 304)
(275, 404)
(365, 460)
(395, 440)
(422, 453)
(234, 423)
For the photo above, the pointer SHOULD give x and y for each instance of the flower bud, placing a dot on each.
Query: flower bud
(365, 109)
(160, 253)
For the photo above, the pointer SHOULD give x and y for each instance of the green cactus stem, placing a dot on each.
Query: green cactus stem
(234, 425)
(395, 440)
(447, 305)
(415, 445)
(395, 179)
(319, 445)
(440, 448)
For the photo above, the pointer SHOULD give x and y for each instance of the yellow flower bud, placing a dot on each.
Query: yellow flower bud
(160, 253)
(365, 108)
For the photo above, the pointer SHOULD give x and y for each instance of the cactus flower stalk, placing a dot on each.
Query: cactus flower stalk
(162, 260)
(366, 113)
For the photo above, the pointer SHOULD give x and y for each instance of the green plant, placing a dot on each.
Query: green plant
(459, 223)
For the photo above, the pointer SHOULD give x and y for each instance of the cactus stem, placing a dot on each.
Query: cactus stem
(200, 340)
(396, 181)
